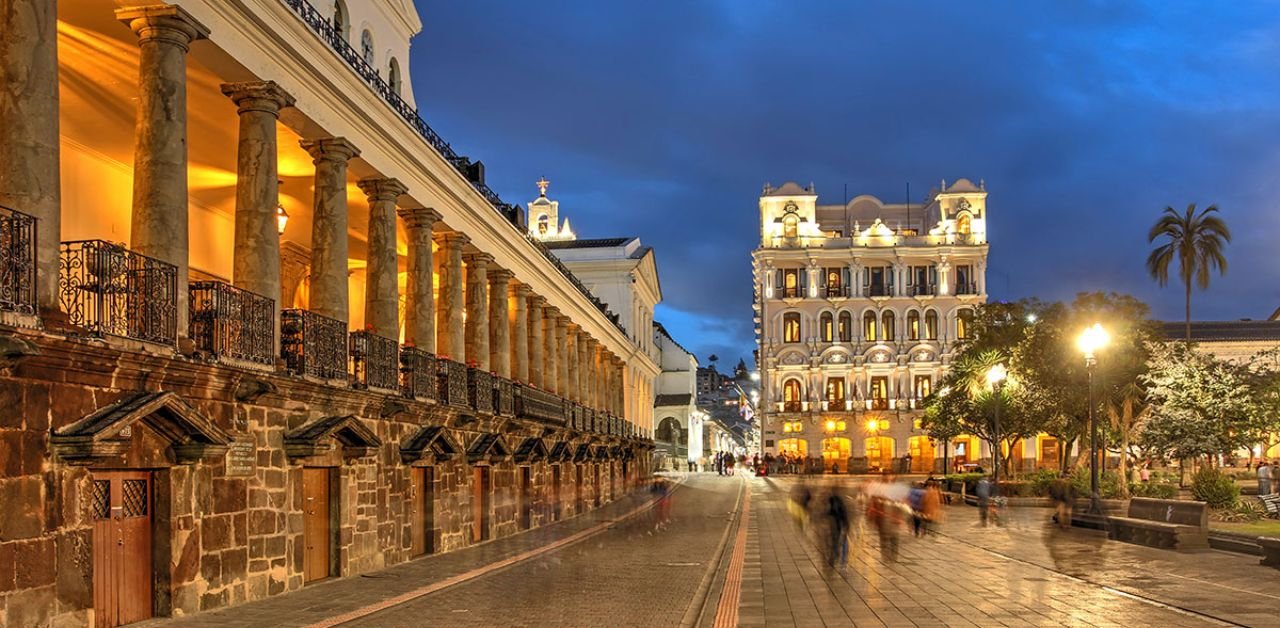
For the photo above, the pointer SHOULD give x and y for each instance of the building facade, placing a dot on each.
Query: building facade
(261, 326)
(677, 419)
(858, 308)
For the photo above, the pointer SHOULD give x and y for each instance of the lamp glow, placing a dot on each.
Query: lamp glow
(996, 375)
(282, 219)
(1092, 339)
(872, 425)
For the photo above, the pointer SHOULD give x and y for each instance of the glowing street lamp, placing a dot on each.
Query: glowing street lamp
(996, 376)
(1091, 340)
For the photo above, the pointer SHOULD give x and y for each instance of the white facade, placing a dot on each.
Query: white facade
(678, 422)
(858, 309)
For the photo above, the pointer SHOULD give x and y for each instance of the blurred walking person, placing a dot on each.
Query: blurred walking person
(798, 505)
(931, 506)
(837, 520)
(983, 492)
(1063, 494)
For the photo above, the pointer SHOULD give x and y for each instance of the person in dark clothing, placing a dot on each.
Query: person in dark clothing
(837, 515)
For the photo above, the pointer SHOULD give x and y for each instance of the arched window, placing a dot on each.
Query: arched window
(393, 76)
(845, 328)
(792, 396)
(341, 19)
(887, 327)
(826, 326)
(543, 222)
(964, 224)
(366, 47)
(869, 327)
(791, 327)
(964, 323)
(931, 325)
(913, 325)
(790, 226)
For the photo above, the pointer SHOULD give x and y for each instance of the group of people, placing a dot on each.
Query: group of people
(885, 505)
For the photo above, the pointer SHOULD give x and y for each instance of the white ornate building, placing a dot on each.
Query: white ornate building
(857, 310)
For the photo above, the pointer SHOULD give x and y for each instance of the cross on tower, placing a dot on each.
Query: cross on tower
(542, 186)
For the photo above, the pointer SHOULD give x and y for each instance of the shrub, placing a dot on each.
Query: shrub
(1245, 510)
(1108, 483)
(1157, 490)
(1015, 489)
(1215, 488)
(1041, 481)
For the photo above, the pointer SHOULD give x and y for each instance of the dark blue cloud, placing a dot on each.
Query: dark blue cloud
(662, 119)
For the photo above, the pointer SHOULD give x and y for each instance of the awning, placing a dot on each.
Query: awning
(102, 435)
(487, 448)
(531, 450)
(583, 453)
(321, 435)
(430, 441)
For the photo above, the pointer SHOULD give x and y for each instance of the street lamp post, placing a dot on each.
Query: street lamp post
(1091, 340)
(995, 378)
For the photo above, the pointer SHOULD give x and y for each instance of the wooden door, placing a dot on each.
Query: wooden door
(480, 504)
(555, 492)
(423, 498)
(599, 486)
(578, 501)
(526, 499)
(317, 535)
(122, 506)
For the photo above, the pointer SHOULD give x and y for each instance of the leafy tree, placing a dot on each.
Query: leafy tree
(1200, 405)
(1195, 241)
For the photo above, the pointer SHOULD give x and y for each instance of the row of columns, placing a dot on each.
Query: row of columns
(473, 321)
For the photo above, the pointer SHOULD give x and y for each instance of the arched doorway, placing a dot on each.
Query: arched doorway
(921, 450)
(793, 447)
(879, 453)
(668, 431)
(835, 450)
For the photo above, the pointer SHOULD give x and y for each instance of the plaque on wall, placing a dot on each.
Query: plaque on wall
(242, 458)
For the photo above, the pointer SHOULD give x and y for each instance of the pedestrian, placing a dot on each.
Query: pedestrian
(906, 463)
(931, 505)
(801, 495)
(1265, 474)
(915, 499)
(1063, 494)
(984, 499)
(1145, 474)
(837, 529)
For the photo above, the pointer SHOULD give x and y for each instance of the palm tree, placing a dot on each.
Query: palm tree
(1195, 241)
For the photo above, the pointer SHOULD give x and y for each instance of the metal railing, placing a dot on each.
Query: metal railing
(837, 291)
(504, 392)
(480, 390)
(452, 382)
(919, 290)
(229, 322)
(17, 261)
(419, 375)
(790, 293)
(877, 291)
(966, 287)
(107, 289)
(878, 403)
(325, 30)
(313, 344)
(539, 405)
(375, 361)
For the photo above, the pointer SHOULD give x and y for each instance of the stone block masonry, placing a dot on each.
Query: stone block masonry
(230, 524)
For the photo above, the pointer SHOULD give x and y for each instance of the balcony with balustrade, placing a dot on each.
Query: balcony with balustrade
(106, 290)
(232, 325)
(17, 262)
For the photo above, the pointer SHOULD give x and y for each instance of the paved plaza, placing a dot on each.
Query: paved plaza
(617, 567)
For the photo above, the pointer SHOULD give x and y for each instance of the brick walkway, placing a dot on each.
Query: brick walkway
(630, 574)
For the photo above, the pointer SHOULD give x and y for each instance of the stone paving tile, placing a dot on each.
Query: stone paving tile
(938, 581)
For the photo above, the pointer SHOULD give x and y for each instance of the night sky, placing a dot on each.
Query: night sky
(664, 118)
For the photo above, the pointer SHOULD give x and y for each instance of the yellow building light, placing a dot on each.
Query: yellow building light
(831, 426)
(786, 428)
(884, 424)
(872, 425)
(841, 425)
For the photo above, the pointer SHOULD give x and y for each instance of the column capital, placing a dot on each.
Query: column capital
(166, 22)
(537, 300)
(382, 189)
(522, 290)
(330, 149)
(453, 239)
(264, 96)
(500, 275)
(549, 311)
(477, 258)
(418, 217)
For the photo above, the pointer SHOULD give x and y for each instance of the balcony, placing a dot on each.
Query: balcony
(504, 396)
(877, 291)
(790, 293)
(924, 290)
(793, 406)
(966, 287)
(452, 382)
(233, 325)
(837, 405)
(539, 405)
(877, 403)
(480, 390)
(375, 361)
(17, 262)
(419, 378)
(108, 290)
(313, 345)
(836, 292)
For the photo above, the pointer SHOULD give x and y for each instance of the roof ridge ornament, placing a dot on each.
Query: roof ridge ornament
(542, 184)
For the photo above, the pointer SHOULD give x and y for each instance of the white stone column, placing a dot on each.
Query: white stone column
(500, 321)
(520, 333)
(477, 325)
(30, 174)
(551, 356)
(420, 300)
(562, 357)
(329, 295)
(450, 339)
(159, 225)
(382, 285)
(537, 342)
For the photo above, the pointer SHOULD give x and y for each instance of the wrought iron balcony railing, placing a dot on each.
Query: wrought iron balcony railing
(504, 401)
(419, 375)
(452, 382)
(539, 405)
(924, 290)
(375, 361)
(230, 323)
(836, 291)
(107, 289)
(324, 29)
(17, 262)
(313, 345)
(877, 291)
(966, 287)
(480, 390)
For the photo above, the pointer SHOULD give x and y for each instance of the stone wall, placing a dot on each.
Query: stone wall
(226, 535)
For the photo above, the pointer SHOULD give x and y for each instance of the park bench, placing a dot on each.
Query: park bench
(1270, 551)
(1272, 504)
(1163, 523)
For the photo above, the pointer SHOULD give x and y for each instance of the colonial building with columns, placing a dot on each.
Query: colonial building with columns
(260, 325)
(858, 307)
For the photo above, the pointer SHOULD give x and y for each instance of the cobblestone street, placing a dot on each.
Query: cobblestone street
(1023, 574)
